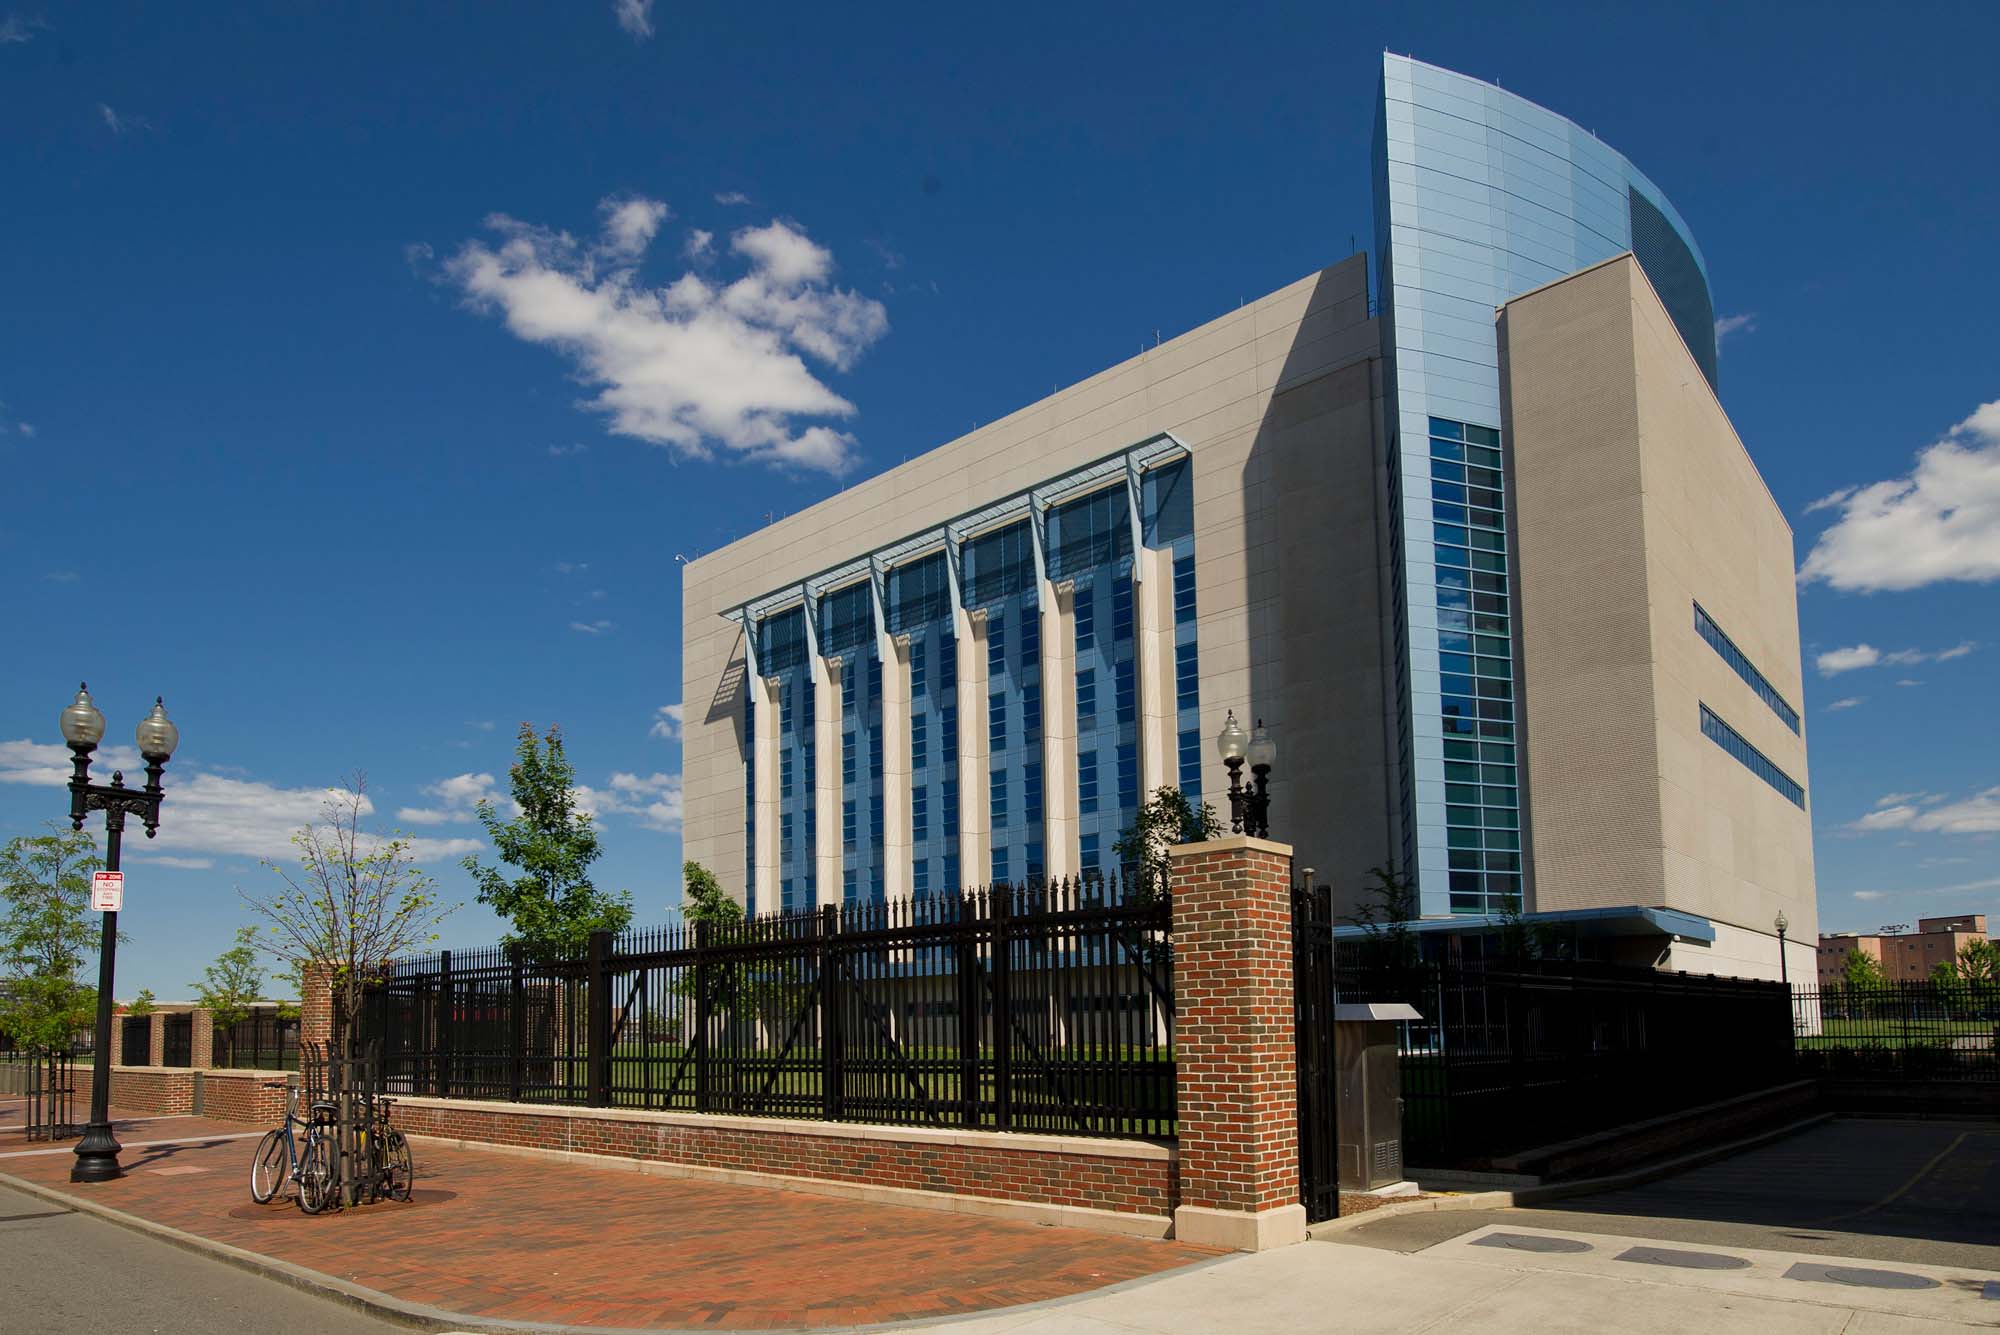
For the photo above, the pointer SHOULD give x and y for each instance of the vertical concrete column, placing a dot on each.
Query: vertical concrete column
(158, 1045)
(1059, 815)
(1237, 1073)
(201, 1042)
(116, 1056)
(1153, 642)
(826, 781)
(975, 802)
(898, 853)
(764, 746)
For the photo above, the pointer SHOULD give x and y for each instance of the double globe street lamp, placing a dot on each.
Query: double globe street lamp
(83, 728)
(1249, 806)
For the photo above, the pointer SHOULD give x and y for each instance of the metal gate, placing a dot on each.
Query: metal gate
(1319, 1084)
(177, 1040)
(51, 1095)
(137, 1049)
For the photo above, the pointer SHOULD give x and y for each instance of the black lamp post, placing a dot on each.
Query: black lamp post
(83, 728)
(1249, 807)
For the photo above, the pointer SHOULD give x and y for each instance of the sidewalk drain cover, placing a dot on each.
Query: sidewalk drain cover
(1528, 1242)
(1685, 1260)
(1859, 1277)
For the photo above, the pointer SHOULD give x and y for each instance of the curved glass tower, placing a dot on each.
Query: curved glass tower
(1481, 196)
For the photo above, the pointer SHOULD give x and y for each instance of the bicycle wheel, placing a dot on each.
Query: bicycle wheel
(267, 1170)
(401, 1165)
(318, 1184)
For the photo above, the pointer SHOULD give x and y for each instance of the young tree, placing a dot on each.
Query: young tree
(703, 900)
(355, 904)
(142, 1005)
(552, 904)
(1389, 905)
(1979, 963)
(1863, 972)
(230, 987)
(1167, 818)
(47, 931)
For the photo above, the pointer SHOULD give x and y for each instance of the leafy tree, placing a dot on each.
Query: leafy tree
(354, 905)
(142, 1005)
(1979, 963)
(704, 903)
(46, 934)
(1863, 972)
(553, 904)
(1389, 904)
(230, 986)
(1167, 818)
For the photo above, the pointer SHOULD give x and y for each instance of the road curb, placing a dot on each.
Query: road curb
(1555, 1191)
(423, 1316)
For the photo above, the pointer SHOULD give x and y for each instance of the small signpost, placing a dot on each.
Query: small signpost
(107, 891)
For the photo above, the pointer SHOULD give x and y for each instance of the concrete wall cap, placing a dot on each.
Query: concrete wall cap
(1230, 843)
(1016, 1141)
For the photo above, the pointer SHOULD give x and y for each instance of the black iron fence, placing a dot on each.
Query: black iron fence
(176, 1039)
(136, 1043)
(1030, 1008)
(262, 1042)
(1900, 1031)
(1507, 1059)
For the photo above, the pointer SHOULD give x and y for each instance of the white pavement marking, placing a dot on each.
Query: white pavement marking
(143, 1144)
(1954, 1298)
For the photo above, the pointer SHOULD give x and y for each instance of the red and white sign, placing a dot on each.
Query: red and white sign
(107, 891)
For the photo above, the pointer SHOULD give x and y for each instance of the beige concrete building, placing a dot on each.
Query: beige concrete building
(1483, 554)
(1648, 548)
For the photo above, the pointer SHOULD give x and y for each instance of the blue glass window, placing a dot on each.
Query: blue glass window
(1751, 758)
(1740, 663)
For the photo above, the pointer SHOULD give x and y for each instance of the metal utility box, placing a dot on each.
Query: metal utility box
(1366, 1054)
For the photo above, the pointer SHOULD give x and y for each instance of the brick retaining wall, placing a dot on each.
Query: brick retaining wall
(240, 1096)
(1124, 1177)
(158, 1090)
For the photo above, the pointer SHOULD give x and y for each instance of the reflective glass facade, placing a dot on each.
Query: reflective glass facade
(1480, 196)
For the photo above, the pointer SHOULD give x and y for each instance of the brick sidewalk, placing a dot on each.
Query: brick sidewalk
(507, 1238)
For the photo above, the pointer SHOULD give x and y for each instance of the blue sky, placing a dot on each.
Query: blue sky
(356, 393)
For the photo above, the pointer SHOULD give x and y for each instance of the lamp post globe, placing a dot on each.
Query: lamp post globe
(156, 734)
(1230, 744)
(82, 725)
(1783, 924)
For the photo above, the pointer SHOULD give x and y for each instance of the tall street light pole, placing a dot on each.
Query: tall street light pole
(83, 728)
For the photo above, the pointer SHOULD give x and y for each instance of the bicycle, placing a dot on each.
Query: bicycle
(392, 1168)
(279, 1158)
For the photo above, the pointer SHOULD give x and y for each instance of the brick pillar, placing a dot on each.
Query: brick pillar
(157, 1056)
(1233, 1033)
(315, 1005)
(201, 1040)
(116, 1056)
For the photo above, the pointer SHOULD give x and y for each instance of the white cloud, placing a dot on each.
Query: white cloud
(1870, 896)
(1846, 702)
(1977, 814)
(18, 29)
(1939, 522)
(1909, 681)
(1846, 660)
(191, 864)
(699, 243)
(26, 428)
(122, 124)
(634, 16)
(206, 812)
(732, 198)
(1864, 655)
(1734, 324)
(654, 800)
(571, 567)
(691, 366)
(574, 447)
(592, 627)
(666, 723)
(1891, 799)
(458, 799)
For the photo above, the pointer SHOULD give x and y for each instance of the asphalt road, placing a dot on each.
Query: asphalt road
(1923, 1192)
(60, 1270)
